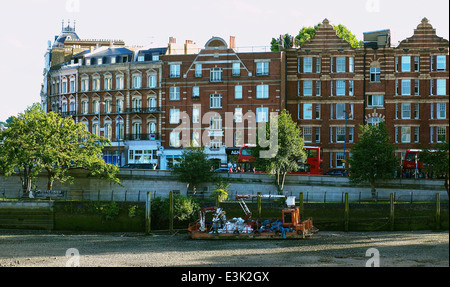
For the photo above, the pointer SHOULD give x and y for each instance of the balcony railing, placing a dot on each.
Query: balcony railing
(142, 137)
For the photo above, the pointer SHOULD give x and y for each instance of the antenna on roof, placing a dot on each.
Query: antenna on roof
(74, 23)
(62, 25)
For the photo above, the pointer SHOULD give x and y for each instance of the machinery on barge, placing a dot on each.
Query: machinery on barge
(289, 226)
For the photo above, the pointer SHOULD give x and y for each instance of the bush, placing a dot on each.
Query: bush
(184, 209)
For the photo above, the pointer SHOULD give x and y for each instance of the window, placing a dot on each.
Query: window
(350, 88)
(406, 111)
(340, 88)
(155, 57)
(406, 64)
(84, 84)
(119, 83)
(416, 134)
(262, 115)
(174, 93)
(351, 65)
(307, 134)
(196, 115)
(174, 116)
(416, 87)
(215, 144)
(72, 86)
(120, 132)
(137, 130)
(375, 75)
(307, 111)
(416, 63)
(340, 157)
(238, 92)
(96, 107)
(96, 84)
(340, 111)
(317, 134)
(416, 111)
(350, 134)
(64, 87)
(405, 134)
(108, 83)
(196, 92)
(238, 138)
(396, 64)
(317, 111)
(216, 75)
(198, 70)
(440, 63)
(216, 123)
(174, 139)
(141, 58)
(151, 81)
(151, 127)
(215, 101)
(307, 88)
(340, 64)
(151, 103)
(262, 68)
(441, 110)
(175, 70)
(406, 87)
(196, 139)
(108, 106)
(236, 71)
(108, 131)
(238, 115)
(441, 134)
(318, 64)
(441, 87)
(119, 105)
(137, 81)
(262, 91)
(137, 103)
(95, 129)
(307, 65)
(374, 121)
(318, 88)
(340, 134)
(375, 100)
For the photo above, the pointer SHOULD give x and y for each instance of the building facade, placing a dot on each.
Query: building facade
(333, 88)
(215, 98)
(153, 102)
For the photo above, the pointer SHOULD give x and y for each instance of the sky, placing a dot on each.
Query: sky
(26, 26)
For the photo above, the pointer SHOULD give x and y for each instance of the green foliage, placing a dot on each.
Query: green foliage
(36, 140)
(307, 33)
(194, 168)
(373, 156)
(109, 211)
(220, 193)
(437, 161)
(285, 152)
(185, 208)
(276, 43)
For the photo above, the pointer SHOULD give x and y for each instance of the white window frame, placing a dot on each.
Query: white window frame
(406, 111)
(307, 134)
(262, 115)
(215, 75)
(262, 91)
(441, 62)
(238, 92)
(174, 116)
(340, 88)
(340, 64)
(406, 63)
(307, 64)
(174, 93)
(406, 87)
(375, 100)
(262, 68)
(215, 101)
(441, 111)
(405, 134)
(307, 111)
(441, 87)
(307, 88)
(174, 70)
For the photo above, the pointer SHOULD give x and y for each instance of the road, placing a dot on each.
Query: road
(335, 249)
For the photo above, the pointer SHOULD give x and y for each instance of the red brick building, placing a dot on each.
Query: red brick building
(212, 98)
(332, 88)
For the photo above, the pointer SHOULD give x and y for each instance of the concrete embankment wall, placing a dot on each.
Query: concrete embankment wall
(136, 183)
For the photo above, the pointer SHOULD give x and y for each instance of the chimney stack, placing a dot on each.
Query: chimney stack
(233, 42)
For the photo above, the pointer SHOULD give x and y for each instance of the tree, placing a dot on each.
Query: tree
(307, 33)
(284, 153)
(436, 161)
(373, 156)
(37, 140)
(286, 41)
(194, 168)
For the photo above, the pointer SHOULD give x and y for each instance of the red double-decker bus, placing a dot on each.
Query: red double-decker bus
(313, 164)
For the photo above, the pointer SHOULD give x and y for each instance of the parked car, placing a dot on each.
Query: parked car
(222, 170)
(139, 166)
(337, 172)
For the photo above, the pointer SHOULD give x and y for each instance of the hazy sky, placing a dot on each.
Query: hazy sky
(27, 25)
